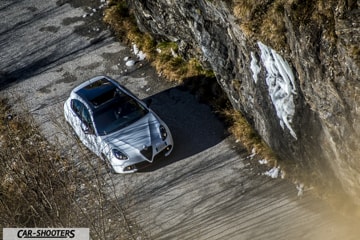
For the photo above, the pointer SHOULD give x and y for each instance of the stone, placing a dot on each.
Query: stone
(303, 98)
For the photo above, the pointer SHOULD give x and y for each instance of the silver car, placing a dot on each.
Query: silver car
(115, 125)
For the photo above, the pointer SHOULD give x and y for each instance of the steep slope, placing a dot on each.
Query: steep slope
(303, 97)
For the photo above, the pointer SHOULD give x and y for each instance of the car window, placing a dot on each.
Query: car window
(118, 114)
(76, 106)
(82, 112)
(85, 116)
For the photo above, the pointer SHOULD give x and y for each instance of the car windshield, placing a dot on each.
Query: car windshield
(119, 113)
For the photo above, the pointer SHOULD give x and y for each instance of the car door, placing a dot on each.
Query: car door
(83, 126)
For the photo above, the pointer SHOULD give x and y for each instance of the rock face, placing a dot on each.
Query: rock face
(303, 99)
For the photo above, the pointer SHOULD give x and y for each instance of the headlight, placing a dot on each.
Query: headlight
(119, 155)
(163, 132)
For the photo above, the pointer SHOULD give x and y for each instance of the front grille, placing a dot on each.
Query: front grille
(142, 165)
(157, 162)
(147, 152)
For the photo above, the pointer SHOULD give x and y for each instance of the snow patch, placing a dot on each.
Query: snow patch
(263, 161)
(130, 63)
(139, 54)
(173, 53)
(273, 173)
(255, 68)
(281, 85)
(253, 153)
(300, 188)
(135, 49)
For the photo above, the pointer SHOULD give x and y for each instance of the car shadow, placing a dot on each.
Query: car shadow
(193, 125)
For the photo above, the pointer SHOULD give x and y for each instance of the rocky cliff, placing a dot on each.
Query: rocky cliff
(291, 67)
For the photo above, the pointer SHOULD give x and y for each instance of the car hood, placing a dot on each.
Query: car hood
(139, 135)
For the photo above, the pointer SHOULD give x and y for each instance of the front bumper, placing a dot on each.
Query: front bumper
(141, 161)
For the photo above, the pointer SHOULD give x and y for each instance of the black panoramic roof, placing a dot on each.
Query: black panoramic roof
(99, 92)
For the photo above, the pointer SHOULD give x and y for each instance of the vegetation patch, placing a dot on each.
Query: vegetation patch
(162, 55)
(247, 136)
(118, 16)
(264, 20)
(34, 178)
(41, 188)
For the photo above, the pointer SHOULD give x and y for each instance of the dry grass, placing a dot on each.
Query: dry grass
(176, 68)
(31, 190)
(161, 55)
(40, 187)
(169, 64)
(117, 15)
(264, 20)
(354, 52)
(247, 136)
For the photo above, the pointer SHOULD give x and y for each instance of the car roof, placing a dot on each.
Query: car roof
(98, 91)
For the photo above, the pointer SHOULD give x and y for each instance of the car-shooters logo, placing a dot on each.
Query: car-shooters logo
(45, 233)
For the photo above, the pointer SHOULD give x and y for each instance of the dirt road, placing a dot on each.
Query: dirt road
(207, 189)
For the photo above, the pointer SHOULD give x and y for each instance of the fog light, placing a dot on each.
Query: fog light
(129, 168)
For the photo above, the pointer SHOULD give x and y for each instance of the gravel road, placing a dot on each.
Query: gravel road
(207, 189)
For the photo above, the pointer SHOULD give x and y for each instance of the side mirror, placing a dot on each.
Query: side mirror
(148, 102)
(86, 128)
